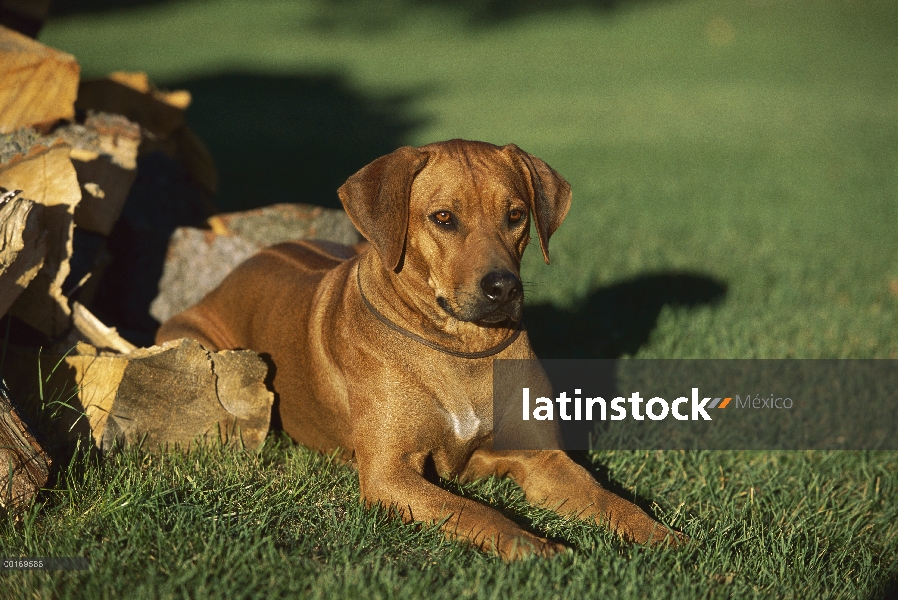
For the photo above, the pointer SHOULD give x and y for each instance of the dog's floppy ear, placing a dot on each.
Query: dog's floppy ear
(377, 200)
(551, 195)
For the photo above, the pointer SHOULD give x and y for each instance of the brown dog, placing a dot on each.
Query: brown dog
(387, 354)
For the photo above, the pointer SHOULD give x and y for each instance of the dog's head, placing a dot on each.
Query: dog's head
(455, 216)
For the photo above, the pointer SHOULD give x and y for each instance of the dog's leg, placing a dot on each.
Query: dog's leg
(401, 484)
(552, 480)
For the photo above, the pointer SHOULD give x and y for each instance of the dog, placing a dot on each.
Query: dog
(383, 353)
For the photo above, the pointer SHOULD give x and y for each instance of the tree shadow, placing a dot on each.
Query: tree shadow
(374, 15)
(379, 15)
(617, 319)
(291, 139)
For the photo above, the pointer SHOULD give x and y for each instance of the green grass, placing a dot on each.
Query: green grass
(224, 524)
(752, 145)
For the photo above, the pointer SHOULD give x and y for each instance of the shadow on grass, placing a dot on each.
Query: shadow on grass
(291, 138)
(380, 14)
(617, 319)
(613, 321)
(889, 589)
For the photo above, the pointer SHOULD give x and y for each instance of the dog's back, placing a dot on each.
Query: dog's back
(228, 316)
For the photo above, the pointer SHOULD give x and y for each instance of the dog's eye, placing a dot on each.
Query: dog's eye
(443, 217)
(515, 216)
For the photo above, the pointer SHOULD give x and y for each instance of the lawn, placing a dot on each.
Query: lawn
(735, 174)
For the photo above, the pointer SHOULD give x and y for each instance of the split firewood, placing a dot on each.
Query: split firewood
(174, 395)
(88, 328)
(159, 113)
(43, 171)
(39, 84)
(24, 246)
(24, 463)
(104, 154)
(199, 259)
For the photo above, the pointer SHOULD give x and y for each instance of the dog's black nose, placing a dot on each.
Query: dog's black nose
(501, 286)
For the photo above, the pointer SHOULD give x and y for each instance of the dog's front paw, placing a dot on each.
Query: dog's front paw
(636, 526)
(665, 537)
(526, 545)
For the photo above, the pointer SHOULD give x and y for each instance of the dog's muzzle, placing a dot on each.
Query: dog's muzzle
(504, 296)
(501, 298)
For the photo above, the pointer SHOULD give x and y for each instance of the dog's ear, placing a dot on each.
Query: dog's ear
(377, 200)
(550, 193)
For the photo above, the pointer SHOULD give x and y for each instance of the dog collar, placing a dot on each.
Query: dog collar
(401, 330)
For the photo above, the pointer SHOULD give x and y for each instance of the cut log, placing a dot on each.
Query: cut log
(174, 395)
(39, 86)
(164, 197)
(24, 463)
(199, 259)
(284, 222)
(47, 177)
(121, 96)
(24, 247)
(104, 154)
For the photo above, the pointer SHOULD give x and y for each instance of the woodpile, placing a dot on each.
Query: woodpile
(106, 229)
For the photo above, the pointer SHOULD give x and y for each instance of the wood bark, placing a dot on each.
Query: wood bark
(24, 464)
(23, 247)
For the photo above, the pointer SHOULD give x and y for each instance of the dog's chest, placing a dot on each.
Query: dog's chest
(466, 406)
(466, 424)
(465, 421)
